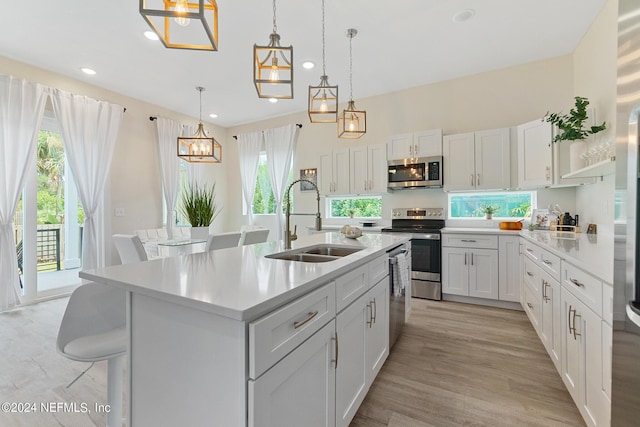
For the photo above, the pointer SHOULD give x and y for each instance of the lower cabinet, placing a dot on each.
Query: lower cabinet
(550, 329)
(582, 360)
(306, 376)
(362, 333)
(470, 272)
(509, 268)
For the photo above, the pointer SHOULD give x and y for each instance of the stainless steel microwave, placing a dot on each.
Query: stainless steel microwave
(419, 172)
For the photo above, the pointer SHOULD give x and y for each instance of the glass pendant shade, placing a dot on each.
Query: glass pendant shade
(352, 123)
(323, 102)
(273, 70)
(183, 24)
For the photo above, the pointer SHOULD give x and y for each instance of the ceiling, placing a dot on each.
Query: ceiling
(399, 45)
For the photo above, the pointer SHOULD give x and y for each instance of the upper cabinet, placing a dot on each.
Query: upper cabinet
(477, 160)
(357, 170)
(368, 169)
(334, 172)
(418, 144)
(542, 163)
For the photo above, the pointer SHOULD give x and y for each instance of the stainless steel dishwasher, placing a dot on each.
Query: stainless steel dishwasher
(397, 304)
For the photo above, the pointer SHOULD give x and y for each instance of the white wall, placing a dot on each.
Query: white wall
(594, 64)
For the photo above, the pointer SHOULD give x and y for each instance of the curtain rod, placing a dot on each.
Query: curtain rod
(297, 124)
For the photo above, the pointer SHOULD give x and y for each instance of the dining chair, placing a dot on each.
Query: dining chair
(130, 248)
(93, 329)
(222, 240)
(253, 236)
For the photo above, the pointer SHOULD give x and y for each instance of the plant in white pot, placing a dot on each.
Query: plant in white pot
(198, 206)
(572, 128)
(488, 210)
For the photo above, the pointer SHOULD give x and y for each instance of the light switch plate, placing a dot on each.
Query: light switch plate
(118, 212)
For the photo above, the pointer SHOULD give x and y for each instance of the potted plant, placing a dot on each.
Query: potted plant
(572, 128)
(198, 206)
(489, 210)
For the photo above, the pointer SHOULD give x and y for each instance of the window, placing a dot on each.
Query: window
(509, 204)
(264, 203)
(361, 207)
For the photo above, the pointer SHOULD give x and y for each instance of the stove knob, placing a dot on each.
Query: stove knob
(430, 213)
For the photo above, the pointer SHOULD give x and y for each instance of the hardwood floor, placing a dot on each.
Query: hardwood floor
(455, 365)
(466, 365)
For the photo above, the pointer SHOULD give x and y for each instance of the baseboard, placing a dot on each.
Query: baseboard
(483, 301)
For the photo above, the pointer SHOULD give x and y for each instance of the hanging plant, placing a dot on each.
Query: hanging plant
(571, 125)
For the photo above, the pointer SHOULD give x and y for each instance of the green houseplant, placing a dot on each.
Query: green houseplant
(571, 125)
(198, 206)
(489, 210)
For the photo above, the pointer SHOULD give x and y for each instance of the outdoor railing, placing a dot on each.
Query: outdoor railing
(48, 249)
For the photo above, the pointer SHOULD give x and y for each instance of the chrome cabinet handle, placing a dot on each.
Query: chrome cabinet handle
(370, 321)
(576, 282)
(410, 150)
(530, 250)
(375, 310)
(311, 315)
(545, 297)
(529, 305)
(546, 261)
(336, 359)
(365, 185)
(468, 240)
(471, 258)
(530, 274)
(547, 172)
(465, 258)
(471, 180)
(478, 180)
(569, 319)
(575, 331)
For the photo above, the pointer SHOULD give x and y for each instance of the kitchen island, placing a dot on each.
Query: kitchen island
(233, 338)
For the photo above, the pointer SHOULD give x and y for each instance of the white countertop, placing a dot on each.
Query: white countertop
(240, 282)
(336, 227)
(592, 253)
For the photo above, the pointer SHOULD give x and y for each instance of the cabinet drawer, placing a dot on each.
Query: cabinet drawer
(532, 251)
(587, 288)
(486, 241)
(607, 303)
(275, 335)
(351, 285)
(532, 307)
(550, 263)
(531, 275)
(378, 268)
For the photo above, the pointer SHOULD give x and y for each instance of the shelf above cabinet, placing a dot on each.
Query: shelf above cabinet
(596, 170)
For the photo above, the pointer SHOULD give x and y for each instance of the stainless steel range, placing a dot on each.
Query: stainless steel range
(424, 225)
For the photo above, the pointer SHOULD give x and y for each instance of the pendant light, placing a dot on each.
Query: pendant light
(183, 25)
(273, 67)
(323, 99)
(200, 148)
(352, 123)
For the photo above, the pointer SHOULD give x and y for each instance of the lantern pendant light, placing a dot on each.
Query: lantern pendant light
(181, 24)
(323, 99)
(352, 123)
(273, 67)
(200, 148)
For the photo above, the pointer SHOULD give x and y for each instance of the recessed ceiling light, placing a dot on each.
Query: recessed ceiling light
(151, 35)
(308, 65)
(273, 100)
(464, 15)
(213, 115)
(88, 71)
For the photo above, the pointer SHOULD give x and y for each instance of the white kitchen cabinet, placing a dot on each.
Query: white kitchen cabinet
(477, 161)
(470, 265)
(541, 162)
(368, 169)
(362, 334)
(334, 172)
(418, 144)
(308, 371)
(377, 339)
(550, 330)
(509, 268)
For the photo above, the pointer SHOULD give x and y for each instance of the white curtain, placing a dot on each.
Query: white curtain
(21, 108)
(280, 145)
(89, 131)
(249, 145)
(168, 133)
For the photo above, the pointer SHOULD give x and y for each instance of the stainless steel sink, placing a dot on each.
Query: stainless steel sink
(303, 257)
(333, 251)
(316, 253)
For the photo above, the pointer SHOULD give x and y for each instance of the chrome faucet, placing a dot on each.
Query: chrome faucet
(288, 235)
